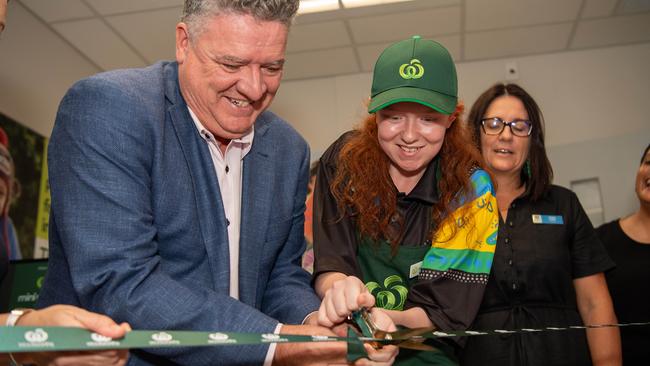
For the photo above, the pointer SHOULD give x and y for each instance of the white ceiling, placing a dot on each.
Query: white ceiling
(132, 33)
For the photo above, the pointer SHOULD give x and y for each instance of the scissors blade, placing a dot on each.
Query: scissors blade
(407, 333)
(414, 345)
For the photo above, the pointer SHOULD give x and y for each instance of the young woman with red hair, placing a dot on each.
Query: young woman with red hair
(404, 219)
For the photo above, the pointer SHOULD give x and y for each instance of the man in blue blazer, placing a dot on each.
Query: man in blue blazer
(177, 200)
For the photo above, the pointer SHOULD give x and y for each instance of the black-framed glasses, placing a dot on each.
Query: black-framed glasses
(495, 125)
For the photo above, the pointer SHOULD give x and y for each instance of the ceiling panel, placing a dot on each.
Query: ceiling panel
(320, 63)
(598, 8)
(124, 6)
(366, 11)
(152, 33)
(52, 11)
(611, 31)
(520, 41)
(634, 6)
(99, 43)
(362, 3)
(318, 35)
(495, 14)
(126, 33)
(436, 21)
(369, 53)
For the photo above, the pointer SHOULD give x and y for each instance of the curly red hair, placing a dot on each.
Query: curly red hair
(363, 188)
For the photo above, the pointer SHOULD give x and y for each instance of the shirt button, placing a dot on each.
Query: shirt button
(511, 224)
(507, 240)
(514, 286)
(227, 169)
(510, 262)
(513, 205)
(227, 222)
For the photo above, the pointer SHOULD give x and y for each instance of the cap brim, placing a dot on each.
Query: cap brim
(443, 103)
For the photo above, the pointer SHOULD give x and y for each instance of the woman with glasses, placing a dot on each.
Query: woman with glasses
(548, 266)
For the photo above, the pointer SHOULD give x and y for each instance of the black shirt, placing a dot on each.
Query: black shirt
(531, 283)
(629, 284)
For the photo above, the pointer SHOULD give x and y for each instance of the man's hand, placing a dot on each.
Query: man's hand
(386, 355)
(329, 353)
(308, 354)
(70, 316)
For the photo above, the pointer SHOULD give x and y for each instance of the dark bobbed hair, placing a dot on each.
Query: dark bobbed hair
(644, 152)
(540, 167)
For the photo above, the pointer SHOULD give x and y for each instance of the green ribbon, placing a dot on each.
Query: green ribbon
(40, 339)
(355, 347)
(356, 350)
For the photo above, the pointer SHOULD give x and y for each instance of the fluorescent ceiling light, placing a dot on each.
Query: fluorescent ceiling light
(313, 6)
(360, 3)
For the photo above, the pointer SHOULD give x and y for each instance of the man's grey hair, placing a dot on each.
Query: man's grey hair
(196, 12)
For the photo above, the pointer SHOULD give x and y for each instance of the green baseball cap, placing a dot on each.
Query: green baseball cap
(415, 70)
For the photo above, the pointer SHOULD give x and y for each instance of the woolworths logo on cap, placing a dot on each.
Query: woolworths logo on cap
(412, 70)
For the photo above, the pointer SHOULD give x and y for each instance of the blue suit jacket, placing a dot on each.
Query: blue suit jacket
(137, 226)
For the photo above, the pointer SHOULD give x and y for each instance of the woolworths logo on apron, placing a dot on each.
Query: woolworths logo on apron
(391, 295)
(412, 70)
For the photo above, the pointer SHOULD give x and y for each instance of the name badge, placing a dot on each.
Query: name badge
(415, 269)
(548, 219)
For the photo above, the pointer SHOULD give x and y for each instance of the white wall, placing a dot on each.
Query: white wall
(594, 103)
(37, 71)
(613, 160)
(584, 95)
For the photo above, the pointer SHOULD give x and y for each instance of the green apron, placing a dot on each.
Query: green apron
(388, 279)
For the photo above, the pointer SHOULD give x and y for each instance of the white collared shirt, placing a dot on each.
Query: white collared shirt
(228, 167)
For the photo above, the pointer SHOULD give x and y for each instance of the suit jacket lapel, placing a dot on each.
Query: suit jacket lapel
(256, 204)
(204, 182)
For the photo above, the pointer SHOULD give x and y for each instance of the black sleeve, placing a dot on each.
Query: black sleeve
(587, 251)
(449, 303)
(335, 238)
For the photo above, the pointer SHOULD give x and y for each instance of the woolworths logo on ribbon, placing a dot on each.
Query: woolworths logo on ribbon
(162, 338)
(36, 336)
(392, 295)
(412, 70)
(100, 338)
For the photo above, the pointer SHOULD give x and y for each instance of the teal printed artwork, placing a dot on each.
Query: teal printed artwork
(481, 183)
(492, 239)
(471, 261)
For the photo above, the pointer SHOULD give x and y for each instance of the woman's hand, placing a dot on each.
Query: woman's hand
(341, 299)
(385, 355)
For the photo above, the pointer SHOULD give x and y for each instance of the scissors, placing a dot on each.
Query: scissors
(362, 324)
